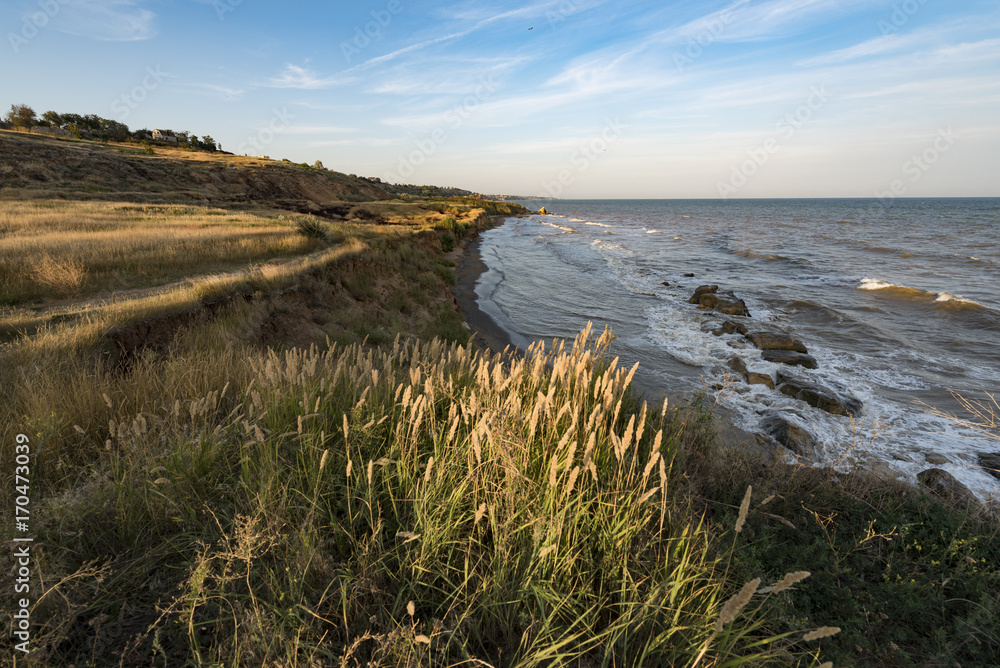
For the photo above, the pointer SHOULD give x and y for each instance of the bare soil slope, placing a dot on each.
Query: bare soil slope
(39, 166)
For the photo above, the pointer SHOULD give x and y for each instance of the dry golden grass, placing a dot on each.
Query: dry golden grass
(56, 249)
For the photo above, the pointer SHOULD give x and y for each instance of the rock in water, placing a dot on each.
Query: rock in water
(789, 434)
(730, 304)
(817, 395)
(729, 327)
(702, 290)
(776, 341)
(945, 485)
(760, 379)
(543, 212)
(790, 357)
(738, 365)
(708, 296)
(990, 461)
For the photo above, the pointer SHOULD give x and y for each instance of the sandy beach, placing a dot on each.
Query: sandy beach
(468, 267)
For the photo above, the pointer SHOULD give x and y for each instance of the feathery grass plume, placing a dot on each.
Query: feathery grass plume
(422, 639)
(553, 471)
(654, 455)
(572, 453)
(371, 467)
(479, 513)
(821, 632)
(574, 474)
(588, 454)
(744, 508)
(411, 609)
(737, 602)
(785, 582)
(350, 465)
(427, 473)
(546, 551)
(345, 426)
(322, 460)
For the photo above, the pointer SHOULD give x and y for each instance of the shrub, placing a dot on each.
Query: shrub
(311, 228)
(447, 242)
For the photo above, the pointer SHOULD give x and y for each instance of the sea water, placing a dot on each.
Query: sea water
(897, 300)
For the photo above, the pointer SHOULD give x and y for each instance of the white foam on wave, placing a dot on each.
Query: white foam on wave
(558, 227)
(945, 297)
(876, 284)
(597, 224)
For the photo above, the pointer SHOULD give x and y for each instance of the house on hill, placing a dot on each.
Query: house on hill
(165, 135)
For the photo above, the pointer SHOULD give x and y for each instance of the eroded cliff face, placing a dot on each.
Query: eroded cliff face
(38, 166)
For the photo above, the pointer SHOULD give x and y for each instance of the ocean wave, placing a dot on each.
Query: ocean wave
(767, 257)
(597, 224)
(877, 284)
(558, 227)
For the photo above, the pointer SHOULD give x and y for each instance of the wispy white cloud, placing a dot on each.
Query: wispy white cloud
(216, 90)
(872, 47)
(303, 78)
(105, 20)
(318, 130)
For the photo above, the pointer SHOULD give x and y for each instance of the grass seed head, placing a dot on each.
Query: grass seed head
(744, 508)
(736, 603)
(821, 632)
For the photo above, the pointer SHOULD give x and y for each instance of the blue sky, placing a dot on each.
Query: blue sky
(576, 98)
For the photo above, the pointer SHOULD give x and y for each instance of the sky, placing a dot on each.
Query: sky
(567, 98)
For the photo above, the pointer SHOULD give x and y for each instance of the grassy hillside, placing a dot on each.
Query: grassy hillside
(36, 166)
(261, 436)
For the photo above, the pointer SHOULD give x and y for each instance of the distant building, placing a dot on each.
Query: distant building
(165, 135)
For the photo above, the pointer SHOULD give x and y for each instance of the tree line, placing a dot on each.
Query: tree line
(92, 126)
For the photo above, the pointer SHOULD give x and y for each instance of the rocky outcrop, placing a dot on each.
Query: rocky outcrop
(543, 211)
(708, 296)
(776, 341)
(946, 486)
(791, 358)
(789, 434)
(990, 461)
(817, 395)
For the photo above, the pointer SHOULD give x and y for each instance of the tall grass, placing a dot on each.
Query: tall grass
(82, 248)
(421, 504)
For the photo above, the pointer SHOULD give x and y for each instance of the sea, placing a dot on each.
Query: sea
(898, 300)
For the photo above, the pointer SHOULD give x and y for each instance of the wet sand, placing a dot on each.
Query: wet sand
(468, 267)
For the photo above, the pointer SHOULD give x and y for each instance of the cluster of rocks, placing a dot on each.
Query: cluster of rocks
(781, 428)
(779, 347)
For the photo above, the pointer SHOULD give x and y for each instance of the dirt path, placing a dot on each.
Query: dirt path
(73, 308)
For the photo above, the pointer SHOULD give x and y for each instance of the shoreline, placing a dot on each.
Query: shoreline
(469, 266)
(487, 334)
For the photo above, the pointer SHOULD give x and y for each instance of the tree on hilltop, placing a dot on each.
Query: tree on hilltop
(21, 115)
